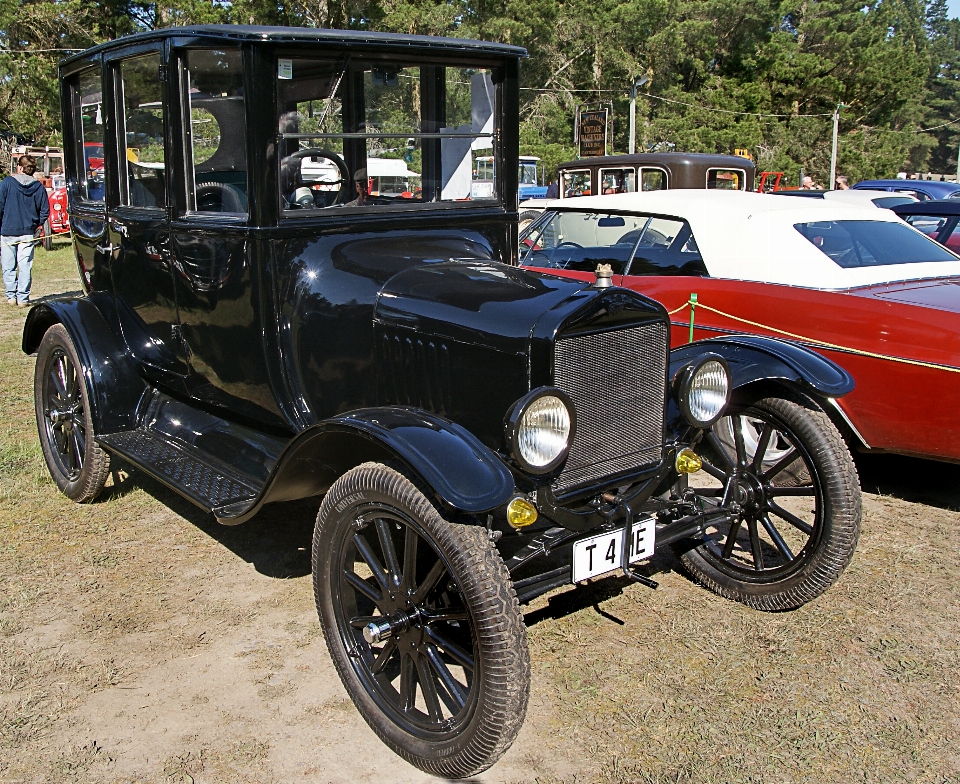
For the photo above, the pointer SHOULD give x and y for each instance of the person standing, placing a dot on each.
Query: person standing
(24, 207)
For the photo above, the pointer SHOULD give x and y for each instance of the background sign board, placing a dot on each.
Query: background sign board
(593, 132)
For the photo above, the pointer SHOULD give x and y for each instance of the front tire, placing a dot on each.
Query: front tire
(794, 523)
(75, 461)
(422, 623)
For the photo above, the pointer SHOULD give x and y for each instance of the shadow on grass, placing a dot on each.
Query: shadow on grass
(911, 479)
(61, 295)
(600, 590)
(276, 541)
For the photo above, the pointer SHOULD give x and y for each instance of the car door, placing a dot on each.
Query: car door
(138, 222)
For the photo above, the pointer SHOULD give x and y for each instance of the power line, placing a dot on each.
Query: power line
(671, 100)
(732, 111)
(938, 127)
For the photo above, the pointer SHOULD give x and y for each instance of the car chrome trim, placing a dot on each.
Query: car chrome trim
(843, 415)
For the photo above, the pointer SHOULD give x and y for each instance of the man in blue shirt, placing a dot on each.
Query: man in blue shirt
(24, 208)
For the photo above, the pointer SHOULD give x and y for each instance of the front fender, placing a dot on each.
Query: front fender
(114, 387)
(455, 466)
(755, 358)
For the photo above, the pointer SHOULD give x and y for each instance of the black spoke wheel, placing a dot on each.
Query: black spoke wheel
(792, 497)
(422, 623)
(75, 461)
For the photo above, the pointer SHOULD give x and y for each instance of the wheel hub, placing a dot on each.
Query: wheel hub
(749, 492)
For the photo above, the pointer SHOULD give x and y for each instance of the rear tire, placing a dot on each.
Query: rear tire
(446, 686)
(75, 461)
(47, 236)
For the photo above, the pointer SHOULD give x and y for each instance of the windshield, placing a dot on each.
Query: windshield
(630, 244)
(862, 243)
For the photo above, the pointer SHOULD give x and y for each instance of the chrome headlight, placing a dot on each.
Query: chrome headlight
(540, 428)
(703, 390)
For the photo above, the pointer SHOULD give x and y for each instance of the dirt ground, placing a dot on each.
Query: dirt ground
(140, 641)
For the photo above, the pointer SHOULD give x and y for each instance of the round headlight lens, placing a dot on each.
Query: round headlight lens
(543, 431)
(707, 393)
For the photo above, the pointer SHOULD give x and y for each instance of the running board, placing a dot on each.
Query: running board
(220, 466)
(211, 487)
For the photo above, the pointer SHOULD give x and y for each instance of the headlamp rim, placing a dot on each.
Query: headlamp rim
(511, 425)
(685, 379)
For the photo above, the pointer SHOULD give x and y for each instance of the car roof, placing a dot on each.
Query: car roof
(935, 188)
(301, 35)
(864, 197)
(947, 207)
(751, 236)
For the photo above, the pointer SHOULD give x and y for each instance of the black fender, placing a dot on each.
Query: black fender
(755, 358)
(453, 464)
(114, 387)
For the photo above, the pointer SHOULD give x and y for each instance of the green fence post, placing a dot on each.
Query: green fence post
(693, 307)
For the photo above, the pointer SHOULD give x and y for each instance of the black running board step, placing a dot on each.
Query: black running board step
(184, 469)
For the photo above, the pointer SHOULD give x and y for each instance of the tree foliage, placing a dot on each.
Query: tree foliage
(761, 74)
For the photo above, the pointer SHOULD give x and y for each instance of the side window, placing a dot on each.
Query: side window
(574, 182)
(668, 247)
(653, 180)
(88, 131)
(618, 181)
(726, 179)
(377, 134)
(215, 126)
(142, 173)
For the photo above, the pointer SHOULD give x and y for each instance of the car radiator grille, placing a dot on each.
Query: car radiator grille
(616, 380)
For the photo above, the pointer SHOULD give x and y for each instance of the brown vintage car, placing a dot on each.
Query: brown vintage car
(654, 171)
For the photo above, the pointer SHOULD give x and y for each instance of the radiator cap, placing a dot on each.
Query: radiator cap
(604, 275)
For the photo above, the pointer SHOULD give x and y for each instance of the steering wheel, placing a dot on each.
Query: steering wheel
(330, 155)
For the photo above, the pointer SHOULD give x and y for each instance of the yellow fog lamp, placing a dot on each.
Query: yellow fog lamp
(688, 462)
(521, 513)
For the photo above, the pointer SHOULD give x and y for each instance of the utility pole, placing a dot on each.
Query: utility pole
(639, 82)
(833, 152)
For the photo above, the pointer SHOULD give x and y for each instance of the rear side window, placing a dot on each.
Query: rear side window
(727, 179)
(88, 114)
(216, 139)
(653, 180)
(143, 175)
(862, 243)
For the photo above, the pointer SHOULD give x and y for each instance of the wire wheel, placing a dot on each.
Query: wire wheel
(402, 614)
(74, 459)
(793, 503)
(422, 623)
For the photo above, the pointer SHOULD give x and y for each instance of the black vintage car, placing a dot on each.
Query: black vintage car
(259, 325)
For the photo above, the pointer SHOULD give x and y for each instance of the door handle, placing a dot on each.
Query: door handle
(108, 248)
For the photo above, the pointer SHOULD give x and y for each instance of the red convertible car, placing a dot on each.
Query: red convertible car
(860, 286)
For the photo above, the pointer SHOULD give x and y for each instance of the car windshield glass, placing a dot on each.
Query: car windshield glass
(382, 134)
(634, 244)
(863, 243)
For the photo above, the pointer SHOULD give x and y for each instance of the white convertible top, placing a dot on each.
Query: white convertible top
(751, 236)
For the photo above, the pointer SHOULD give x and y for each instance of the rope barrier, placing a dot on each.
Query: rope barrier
(693, 303)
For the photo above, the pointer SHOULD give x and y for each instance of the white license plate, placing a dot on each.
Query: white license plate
(601, 554)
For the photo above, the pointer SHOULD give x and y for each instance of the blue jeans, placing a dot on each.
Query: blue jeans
(16, 255)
